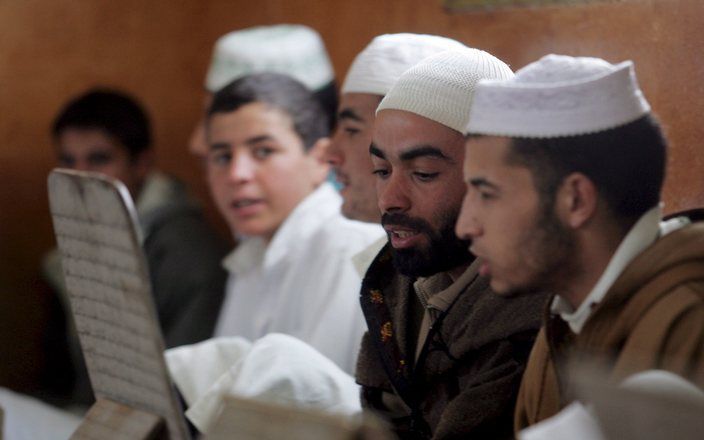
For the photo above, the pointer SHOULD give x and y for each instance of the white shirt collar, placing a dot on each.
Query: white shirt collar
(642, 234)
(363, 259)
(252, 252)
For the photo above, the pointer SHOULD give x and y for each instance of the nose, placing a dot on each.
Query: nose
(333, 154)
(467, 227)
(81, 165)
(393, 194)
(242, 168)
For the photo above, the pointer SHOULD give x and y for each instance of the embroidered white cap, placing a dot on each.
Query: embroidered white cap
(558, 96)
(294, 50)
(440, 87)
(376, 68)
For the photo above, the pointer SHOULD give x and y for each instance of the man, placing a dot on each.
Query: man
(106, 131)
(294, 50)
(292, 273)
(563, 194)
(369, 78)
(443, 354)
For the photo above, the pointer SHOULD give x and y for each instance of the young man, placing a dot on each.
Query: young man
(564, 194)
(106, 131)
(294, 50)
(292, 272)
(370, 77)
(443, 354)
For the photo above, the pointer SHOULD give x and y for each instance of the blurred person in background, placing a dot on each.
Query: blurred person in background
(108, 132)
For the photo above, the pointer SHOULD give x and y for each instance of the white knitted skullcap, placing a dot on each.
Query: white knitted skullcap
(381, 63)
(440, 87)
(558, 96)
(294, 50)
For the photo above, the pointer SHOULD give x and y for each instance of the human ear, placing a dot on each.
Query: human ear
(576, 200)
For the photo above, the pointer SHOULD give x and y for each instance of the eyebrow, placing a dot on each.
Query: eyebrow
(413, 153)
(249, 142)
(348, 113)
(424, 151)
(375, 151)
(480, 182)
(219, 146)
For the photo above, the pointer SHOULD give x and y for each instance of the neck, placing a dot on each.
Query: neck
(596, 248)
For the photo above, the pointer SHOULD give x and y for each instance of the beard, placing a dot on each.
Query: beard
(551, 252)
(443, 252)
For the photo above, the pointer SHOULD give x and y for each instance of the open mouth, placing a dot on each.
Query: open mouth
(244, 203)
(246, 206)
(484, 268)
(402, 237)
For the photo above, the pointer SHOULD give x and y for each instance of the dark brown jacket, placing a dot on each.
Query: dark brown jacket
(467, 374)
(651, 318)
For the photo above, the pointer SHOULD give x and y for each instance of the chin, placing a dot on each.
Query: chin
(502, 288)
(347, 211)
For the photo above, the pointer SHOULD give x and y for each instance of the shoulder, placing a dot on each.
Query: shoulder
(481, 316)
(349, 237)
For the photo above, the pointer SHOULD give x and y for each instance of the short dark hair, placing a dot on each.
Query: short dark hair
(281, 92)
(112, 111)
(626, 164)
(327, 96)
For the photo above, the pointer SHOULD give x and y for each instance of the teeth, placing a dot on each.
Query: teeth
(404, 234)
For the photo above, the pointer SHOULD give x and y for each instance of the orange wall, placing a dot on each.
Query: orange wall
(158, 50)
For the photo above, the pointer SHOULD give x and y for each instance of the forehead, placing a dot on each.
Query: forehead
(483, 151)
(362, 104)
(396, 131)
(486, 159)
(253, 119)
(77, 140)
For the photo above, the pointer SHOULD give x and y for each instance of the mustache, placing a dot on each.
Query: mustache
(399, 219)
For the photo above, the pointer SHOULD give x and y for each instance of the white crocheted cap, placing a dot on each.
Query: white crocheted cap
(558, 96)
(294, 50)
(381, 63)
(440, 87)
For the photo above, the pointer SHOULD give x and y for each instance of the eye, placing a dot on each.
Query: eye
(425, 177)
(381, 173)
(486, 196)
(262, 152)
(220, 157)
(99, 159)
(67, 161)
(351, 131)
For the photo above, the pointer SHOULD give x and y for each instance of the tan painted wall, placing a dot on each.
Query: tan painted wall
(158, 50)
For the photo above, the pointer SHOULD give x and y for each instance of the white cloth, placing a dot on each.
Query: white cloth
(303, 283)
(376, 68)
(196, 367)
(651, 416)
(294, 50)
(440, 87)
(364, 259)
(575, 422)
(642, 234)
(277, 369)
(558, 96)
(664, 383)
(26, 418)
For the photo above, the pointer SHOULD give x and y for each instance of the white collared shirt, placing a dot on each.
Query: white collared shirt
(642, 234)
(304, 282)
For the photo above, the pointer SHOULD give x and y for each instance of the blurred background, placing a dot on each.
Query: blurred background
(159, 50)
